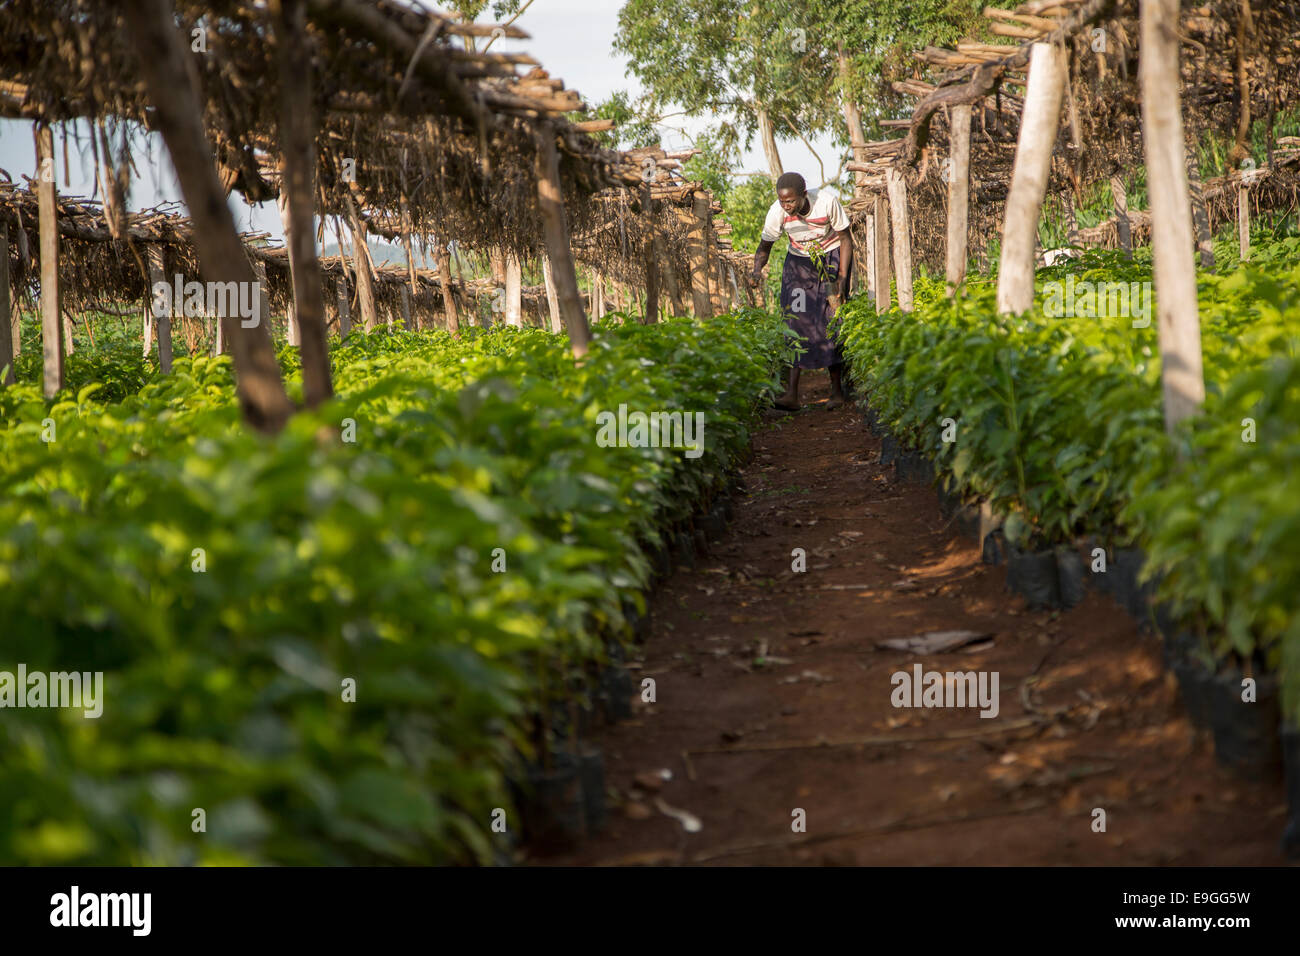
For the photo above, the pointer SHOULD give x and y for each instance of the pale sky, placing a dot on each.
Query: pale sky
(571, 38)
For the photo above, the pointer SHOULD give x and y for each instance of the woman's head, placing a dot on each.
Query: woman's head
(790, 191)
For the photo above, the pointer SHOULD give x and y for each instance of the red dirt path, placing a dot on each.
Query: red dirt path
(1015, 794)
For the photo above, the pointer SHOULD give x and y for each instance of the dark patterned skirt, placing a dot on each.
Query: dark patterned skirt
(804, 294)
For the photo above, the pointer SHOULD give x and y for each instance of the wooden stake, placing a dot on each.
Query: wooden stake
(1123, 228)
(551, 202)
(1243, 221)
(298, 162)
(651, 260)
(1039, 121)
(668, 271)
(897, 187)
(6, 311)
(870, 228)
(51, 315)
(292, 329)
(361, 268)
(443, 255)
(157, 273)
(881, 244)
(552, 297)
(171, 81)
(514, 291)
(958, 196)
(699, 256)
(1171, 221)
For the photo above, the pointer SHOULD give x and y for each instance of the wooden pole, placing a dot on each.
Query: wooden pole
(881, 244)
(51, 315)
(171, 81)
(157, 273)
(298, 162)
(869, 223)
(958, 196)
(668, 272)
(443, 255)
(1243, 221)
(292, 329)
(1123, 227)
(361, 268)
(897, 187)
(343, 300)
(552, 297)
(6, 311)
(514, 291)
(1171, 221)
(699, 256)
(1039, 121)
(551, 202)
(651, 281)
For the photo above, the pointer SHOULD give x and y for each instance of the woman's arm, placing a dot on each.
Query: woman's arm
(846, 262)
(760, 259)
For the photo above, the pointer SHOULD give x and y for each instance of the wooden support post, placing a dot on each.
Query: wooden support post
(1124, 229)
(514, 291)
(170, 80)
(668, 272)
(1243, 221)
(881, 278)
(897, 187)
(293, 330)
(552, 297)
(958, 196)
(406, 309)
(551, 202)
(263, 297)
(51, 314)
(699, 256)
(147, 324)
(361, 269)
(869, 223)
(163, 323)
(1171, 220)
(6, 311)
(1039, 122)
(443, 255)
(1200, 214)
(651, 281)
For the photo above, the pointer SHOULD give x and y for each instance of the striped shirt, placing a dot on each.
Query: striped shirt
(819, 229)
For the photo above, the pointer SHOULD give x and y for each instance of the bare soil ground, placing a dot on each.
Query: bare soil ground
(771, 697)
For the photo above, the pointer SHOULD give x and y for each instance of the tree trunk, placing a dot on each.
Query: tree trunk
(6, 311)
(551, 202)
(298, 162)
(1040, 120)
(881, 244)
(699, 256)
(853, 118)
(552, 297)
(1123, 227)
(767, 136)
(1171, 221)
(171, 82)
(157, 273)
(898, 212)
(51, 314)
(958, 196)
(514, 291)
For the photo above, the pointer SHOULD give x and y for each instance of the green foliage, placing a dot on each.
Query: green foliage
(325, 560)
(1059, 425)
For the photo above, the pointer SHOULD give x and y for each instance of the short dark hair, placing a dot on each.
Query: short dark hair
(791, 181)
